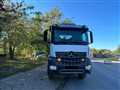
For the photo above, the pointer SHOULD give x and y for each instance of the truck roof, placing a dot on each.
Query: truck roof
(70, 26)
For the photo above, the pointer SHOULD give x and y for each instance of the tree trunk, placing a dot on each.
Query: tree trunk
(5, 47)
(11, 52)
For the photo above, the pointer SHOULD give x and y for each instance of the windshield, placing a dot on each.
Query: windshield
(70, 36)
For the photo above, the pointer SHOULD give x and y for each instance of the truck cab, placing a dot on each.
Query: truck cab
(69, 51)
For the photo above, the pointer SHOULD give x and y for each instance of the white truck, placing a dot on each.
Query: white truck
(69, 51)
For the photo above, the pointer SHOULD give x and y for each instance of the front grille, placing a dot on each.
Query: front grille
(71, 54)
(71, 58)
(71, 62)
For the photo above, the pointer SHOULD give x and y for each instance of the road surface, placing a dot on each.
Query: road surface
(104, 77)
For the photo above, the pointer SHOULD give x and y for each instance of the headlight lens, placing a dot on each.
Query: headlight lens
(59, 59)
(82, 59)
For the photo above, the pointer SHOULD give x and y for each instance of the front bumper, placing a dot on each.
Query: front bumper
(71, 71)
(55, 67)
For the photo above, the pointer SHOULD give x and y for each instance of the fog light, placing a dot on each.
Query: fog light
(88, 67)
(53, 67)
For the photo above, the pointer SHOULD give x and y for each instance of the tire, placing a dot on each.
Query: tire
(82, 76)
(50, 75)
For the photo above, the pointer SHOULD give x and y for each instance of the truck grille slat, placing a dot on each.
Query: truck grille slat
(71, 58)
(70, 62)
(71, 54)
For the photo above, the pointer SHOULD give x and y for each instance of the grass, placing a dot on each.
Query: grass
(11, 67)
(107, 59)
(1, 51)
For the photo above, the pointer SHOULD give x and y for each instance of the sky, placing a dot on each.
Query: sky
(101, 16)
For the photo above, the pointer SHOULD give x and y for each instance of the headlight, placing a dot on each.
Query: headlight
(59, 59)
(82, 59)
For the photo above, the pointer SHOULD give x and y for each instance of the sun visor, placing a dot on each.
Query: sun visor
(81, 28)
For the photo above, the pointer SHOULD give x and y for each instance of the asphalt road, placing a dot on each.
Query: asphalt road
(103, 77)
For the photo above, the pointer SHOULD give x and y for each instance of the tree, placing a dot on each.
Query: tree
(101, 52)
(55, 15)
(67, 21)
(0, 33)
(12, 19)
(43, 22)
(95, 52)
(52, 17)
(22, 32)
(117, 51)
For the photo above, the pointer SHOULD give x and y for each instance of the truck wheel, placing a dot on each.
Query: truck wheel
(82, 76)
(50, 75)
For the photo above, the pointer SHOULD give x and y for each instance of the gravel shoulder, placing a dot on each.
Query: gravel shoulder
(35, 79)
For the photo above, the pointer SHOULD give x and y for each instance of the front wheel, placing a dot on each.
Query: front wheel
(82, 76)
(50, 75)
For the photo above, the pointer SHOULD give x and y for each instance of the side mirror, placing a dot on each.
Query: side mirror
(91, 36)
(45, 35)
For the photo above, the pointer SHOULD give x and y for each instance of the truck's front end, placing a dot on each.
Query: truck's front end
(69, 50)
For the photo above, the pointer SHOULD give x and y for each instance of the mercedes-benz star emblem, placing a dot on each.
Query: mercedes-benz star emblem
(71, 54)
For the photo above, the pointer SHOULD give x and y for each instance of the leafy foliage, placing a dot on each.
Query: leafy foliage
(21, 32)
(67, 21)
(101, 53)
(12, 19)
(117, 51)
